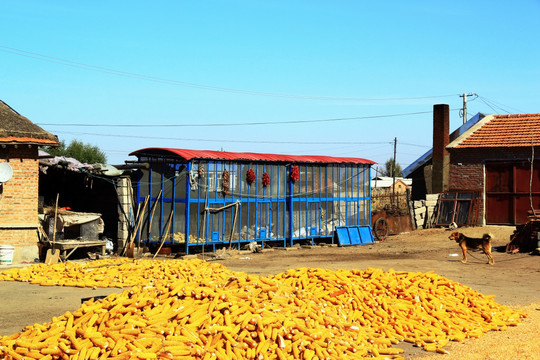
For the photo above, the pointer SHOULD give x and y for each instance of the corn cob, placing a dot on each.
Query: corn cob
(199, 310)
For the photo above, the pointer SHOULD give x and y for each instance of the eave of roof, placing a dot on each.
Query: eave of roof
(12, 140)
(189, 155)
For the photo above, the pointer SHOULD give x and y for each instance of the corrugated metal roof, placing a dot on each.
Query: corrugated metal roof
(189, 155)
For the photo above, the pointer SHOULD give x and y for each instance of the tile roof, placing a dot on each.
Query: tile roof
(505, 131)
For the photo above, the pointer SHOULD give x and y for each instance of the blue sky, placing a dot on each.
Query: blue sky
(319, 77)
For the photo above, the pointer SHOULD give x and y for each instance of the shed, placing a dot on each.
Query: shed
(218, 197)
(19, 142)
(486, 170)
(90, 189)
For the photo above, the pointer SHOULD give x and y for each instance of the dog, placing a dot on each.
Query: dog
(468, 243)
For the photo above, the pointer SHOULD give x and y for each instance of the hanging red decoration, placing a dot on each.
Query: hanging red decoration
(295, 174)
(201, 171)
(225, 182)
(250, 176)
(266, 179)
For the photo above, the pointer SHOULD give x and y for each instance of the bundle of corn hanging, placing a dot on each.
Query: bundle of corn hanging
(190, 309)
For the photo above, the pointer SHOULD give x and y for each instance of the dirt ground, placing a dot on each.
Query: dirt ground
(513, 279)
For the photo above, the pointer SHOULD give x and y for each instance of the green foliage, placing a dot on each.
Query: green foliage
(85, 153)
(389, 165)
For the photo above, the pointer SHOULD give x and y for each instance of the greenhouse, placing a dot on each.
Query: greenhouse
(217, 198)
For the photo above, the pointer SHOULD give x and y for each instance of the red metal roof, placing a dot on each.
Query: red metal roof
(246, 156)
(505, 131)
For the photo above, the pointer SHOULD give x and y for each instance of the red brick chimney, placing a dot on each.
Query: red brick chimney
(440, 157)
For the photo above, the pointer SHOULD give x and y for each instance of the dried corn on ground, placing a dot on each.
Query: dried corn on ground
(191, 309)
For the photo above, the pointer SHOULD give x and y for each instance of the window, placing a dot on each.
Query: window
(215, 180)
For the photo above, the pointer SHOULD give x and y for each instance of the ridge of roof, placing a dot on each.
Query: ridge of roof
(454, 143)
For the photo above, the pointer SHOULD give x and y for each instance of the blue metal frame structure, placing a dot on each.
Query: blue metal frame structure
(326, 196)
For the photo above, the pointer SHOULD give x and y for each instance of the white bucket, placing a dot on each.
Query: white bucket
(6, 254)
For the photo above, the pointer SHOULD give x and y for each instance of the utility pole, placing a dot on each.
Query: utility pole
(464, 110)
(394, 172)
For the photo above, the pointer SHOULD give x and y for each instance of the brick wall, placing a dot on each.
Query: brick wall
(19, 201)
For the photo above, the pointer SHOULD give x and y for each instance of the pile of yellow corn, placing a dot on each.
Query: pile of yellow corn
(190, 309)
(180, 238)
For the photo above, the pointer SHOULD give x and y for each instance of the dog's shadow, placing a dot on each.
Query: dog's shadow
(469, 261)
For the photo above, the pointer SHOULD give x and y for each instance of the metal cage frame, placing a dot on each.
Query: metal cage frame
(206, 211)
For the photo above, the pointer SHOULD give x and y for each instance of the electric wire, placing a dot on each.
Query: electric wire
(241, 124)
(488, 104)
(229, 141)
(110, 71)
(416, 145)
(244, 141)
(493, 104)
(498, 103)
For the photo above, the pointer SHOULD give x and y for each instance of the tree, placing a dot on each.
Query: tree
(389, 165)
(85, 153)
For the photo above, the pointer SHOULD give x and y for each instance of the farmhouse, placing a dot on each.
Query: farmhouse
(490, 163)
(390, 184)
(19, 142)
(496, 157)
(217, 197)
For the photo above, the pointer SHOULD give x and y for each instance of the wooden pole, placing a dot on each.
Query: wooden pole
(152, 210)
(55, 216)
(165, 234)
(234, 223)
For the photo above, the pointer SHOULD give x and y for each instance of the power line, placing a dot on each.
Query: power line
(110, 71)
(507, 106)
(493, 104)
(488, 104)
(229, 141)
(421, 146)
(240, 124)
